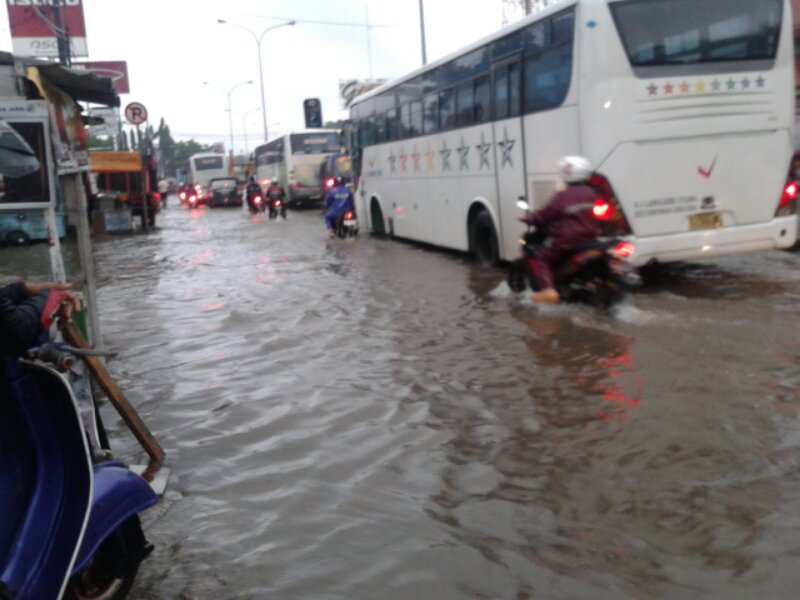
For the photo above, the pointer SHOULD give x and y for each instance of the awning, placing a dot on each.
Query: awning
(81, 85)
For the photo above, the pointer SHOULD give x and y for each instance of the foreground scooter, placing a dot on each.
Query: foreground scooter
(346, 225)
(277, 206)
(598, 274)
(70, 516)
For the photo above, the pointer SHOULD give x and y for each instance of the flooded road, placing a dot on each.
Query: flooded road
(369, 419)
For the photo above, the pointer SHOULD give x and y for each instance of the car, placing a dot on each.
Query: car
(224, 192)
(335, 165)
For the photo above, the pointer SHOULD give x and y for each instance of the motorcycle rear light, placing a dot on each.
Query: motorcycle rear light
(623, 250)
(602, 210)
(607, 208)
(788, 203)
(183, 195)
(258, 200)
(330, 182)
(348, 215)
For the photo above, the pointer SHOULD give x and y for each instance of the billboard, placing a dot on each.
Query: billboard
(115, 70)
(33, 26)
(351, 89)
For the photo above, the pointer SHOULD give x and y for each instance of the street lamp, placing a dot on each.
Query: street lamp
(258, 40)
(228, 92)
(244, 128)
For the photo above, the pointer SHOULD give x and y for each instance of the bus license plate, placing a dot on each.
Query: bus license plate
(349, 223)
(705, 221)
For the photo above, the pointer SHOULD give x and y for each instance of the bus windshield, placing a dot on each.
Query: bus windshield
(684, 32)
(208, 163)
(315, 143)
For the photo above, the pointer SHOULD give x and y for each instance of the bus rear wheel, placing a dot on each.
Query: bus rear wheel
(483, 240)
(376, 216)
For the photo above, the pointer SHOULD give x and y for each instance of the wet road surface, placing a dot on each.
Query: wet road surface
(370, 419)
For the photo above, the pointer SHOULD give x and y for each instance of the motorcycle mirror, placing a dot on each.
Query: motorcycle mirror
(522, 205)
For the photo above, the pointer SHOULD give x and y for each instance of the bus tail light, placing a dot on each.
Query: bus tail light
(329, 183)
(607, 208)
(788, 204)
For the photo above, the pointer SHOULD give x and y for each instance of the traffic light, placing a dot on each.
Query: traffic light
(313, 112)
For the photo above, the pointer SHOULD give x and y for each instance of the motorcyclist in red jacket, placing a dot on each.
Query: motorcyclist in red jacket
(570, 223)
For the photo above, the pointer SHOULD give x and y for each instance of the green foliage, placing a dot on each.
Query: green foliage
(101, 143)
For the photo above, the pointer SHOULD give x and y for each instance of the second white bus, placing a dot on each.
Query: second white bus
(686, 107)
(294, 160)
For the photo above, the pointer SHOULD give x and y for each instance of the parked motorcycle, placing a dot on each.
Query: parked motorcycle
(597, 274)
(346, 225)
(70, 525)
(277, 206)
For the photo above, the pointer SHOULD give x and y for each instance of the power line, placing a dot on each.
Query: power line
(314, 22)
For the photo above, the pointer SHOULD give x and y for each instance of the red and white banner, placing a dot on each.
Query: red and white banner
(116, 71)
(33, 26)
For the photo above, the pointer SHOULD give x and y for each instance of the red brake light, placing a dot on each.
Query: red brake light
(623, 250)
(330, 182)
(258, 200)
(183, 195)
(603, 210)
(348, 215)
(787, 205)
(157, 196)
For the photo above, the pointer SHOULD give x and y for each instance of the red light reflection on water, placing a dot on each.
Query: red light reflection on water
(213, 307)
(621, 399)
(202, 258)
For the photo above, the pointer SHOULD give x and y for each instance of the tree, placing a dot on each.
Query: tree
(122, 141)
(183, 150)
(100, 143)
(166, 150)
(516, 9)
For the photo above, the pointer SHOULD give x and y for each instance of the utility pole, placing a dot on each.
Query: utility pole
(422, 31)
(527, 7)
(62, 36)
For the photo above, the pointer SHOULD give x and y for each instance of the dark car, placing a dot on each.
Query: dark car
(335, 165)
(224, 192)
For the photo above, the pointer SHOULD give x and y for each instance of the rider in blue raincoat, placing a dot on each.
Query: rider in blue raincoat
(338, 201)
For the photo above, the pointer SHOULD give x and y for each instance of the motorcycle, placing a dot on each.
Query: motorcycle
(277, 206)
(346, 225)
(70, 525)
(255, 204)
(597, 274)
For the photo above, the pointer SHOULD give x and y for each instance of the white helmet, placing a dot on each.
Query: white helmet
(575, 169)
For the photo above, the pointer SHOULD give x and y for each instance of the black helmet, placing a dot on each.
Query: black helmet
(338, 180)
(252, 179)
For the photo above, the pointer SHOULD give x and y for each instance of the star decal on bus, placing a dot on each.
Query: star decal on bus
(463, 156)
(429, 156)
(700, 86)
(669, 88)
(652, 89)
(392, 162)
(445, 152)
(403, 162)
(716, 85)
(760, 81)
(483, 150)
(415, 157)
(684, 88)
(731, 85)
(507, 146)
(745, 84)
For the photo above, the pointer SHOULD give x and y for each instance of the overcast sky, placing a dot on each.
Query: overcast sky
(172, 46)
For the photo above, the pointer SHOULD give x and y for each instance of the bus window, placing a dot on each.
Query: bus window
(514, 90)
(547, 78)
(416, 118)
(392, 122)
(431, 115)
(465, 103)
(482, 99)
(317, 143)
(446, 110)
(501, 93)
(698, 31)
(405, 121)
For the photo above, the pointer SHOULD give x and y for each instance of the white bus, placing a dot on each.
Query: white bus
(294, 160)
(686, 107)
(206, 166)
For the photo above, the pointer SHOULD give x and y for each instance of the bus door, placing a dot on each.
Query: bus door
(509, 154)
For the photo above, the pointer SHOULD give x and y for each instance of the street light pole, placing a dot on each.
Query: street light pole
(422, 32)
(244, 128)
(258, 40)
(228, 92)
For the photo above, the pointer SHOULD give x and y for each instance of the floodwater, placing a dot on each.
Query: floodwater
(373, 420)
